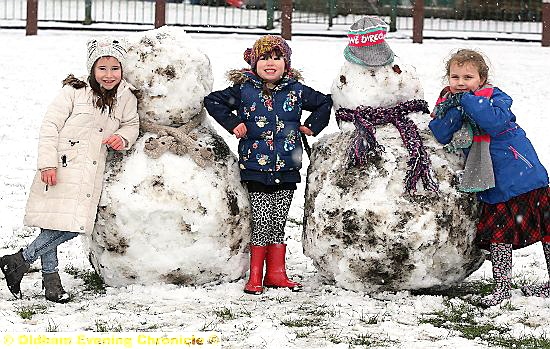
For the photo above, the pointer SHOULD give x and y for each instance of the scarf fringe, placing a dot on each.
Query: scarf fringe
(364, 146)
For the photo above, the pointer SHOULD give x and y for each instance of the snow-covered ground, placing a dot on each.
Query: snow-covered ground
(322, 316)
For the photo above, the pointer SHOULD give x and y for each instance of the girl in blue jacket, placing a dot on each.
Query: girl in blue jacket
(502, 167)
(269, 100)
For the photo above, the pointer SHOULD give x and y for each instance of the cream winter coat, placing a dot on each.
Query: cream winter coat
(71, 140)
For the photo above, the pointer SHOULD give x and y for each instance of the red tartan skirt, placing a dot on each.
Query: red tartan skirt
(520, 221)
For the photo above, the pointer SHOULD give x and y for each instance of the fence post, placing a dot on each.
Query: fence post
(418, 21)
(286, 19)
(393, 16)
(545, 22)
(270, 13)
(32, 17)
(331, 12)
(87, 12)
(160, 13)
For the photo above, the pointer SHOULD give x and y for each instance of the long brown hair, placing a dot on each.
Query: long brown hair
(103, 99)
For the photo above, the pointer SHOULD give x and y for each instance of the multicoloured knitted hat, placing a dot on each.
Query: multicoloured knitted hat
(267, 44)
(103, 47)
(367, 45)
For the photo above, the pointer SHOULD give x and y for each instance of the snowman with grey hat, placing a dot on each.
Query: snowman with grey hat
(380, 211)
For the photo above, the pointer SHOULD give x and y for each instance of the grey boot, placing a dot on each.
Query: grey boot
(540, 290)
(54, 290)
(501, 257)
(14, 266)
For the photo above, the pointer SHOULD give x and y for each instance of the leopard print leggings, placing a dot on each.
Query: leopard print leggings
(269, 214)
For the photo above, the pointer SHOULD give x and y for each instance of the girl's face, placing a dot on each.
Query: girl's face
(464, 78)
(271, 67)
(107, 72)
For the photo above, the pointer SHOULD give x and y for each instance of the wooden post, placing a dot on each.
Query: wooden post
(418, 21)
(160, 13)
(545, 23)
(32, 17)
(270, 13)
(87, 12)
(286, 19)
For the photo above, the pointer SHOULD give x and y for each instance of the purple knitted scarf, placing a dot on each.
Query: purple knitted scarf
(364, 144)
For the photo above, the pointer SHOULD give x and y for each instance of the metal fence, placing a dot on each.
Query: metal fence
(501, 16)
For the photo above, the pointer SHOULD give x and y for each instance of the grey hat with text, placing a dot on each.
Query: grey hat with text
(367, 45)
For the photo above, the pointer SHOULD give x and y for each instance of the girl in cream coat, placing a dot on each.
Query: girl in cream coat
(86, 118)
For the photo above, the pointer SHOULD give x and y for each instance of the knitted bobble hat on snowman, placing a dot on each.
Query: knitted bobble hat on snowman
(367, 45)
(104, 47)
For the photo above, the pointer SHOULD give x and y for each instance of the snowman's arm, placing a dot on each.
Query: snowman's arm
(444, 128)
(221, 104)
(319, 105)
(491, 114)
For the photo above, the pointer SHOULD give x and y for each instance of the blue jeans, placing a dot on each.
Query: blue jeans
(45, 247)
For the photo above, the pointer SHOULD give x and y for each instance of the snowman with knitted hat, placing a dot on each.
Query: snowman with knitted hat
(380, 210)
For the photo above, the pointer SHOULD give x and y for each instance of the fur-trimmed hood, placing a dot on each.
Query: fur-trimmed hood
(240, 76)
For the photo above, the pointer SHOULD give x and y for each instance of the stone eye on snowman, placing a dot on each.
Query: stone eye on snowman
(380, 211)
(173, 210)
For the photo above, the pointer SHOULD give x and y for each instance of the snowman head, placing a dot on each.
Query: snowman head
(367, 45)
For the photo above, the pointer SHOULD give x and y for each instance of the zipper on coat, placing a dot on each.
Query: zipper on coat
(517, 155)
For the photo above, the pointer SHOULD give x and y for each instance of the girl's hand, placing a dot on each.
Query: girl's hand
(305, 130)
(49, 176)
(240, 130)
(115, 142)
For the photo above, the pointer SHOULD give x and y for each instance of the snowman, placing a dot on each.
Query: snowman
(173, 210)
(381, 212)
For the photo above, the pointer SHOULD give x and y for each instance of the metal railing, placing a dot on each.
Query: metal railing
(500, 16)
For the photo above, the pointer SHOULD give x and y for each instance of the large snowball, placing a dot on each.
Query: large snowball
(169, 69)
(169, 220)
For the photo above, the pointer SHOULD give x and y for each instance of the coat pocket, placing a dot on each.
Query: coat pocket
(518, 156)
(66, 157)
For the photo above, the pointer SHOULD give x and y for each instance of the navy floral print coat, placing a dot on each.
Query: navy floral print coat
(271, 151)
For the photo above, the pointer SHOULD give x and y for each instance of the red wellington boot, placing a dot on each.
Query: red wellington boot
(257, 257)
(275, 274)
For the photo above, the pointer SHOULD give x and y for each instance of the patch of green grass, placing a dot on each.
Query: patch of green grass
(461, 317)
(92, 281)
(52, 326)
(303, 334)
(526, 342)
(104, 326)
(369, 319)
(335, 338)
(225, 314)
(477, 287)
(306, 322)
(282, 299)
(28, 311)
(209, 326)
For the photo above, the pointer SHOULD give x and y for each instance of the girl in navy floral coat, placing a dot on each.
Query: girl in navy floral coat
(269, 100)
(502, 167)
